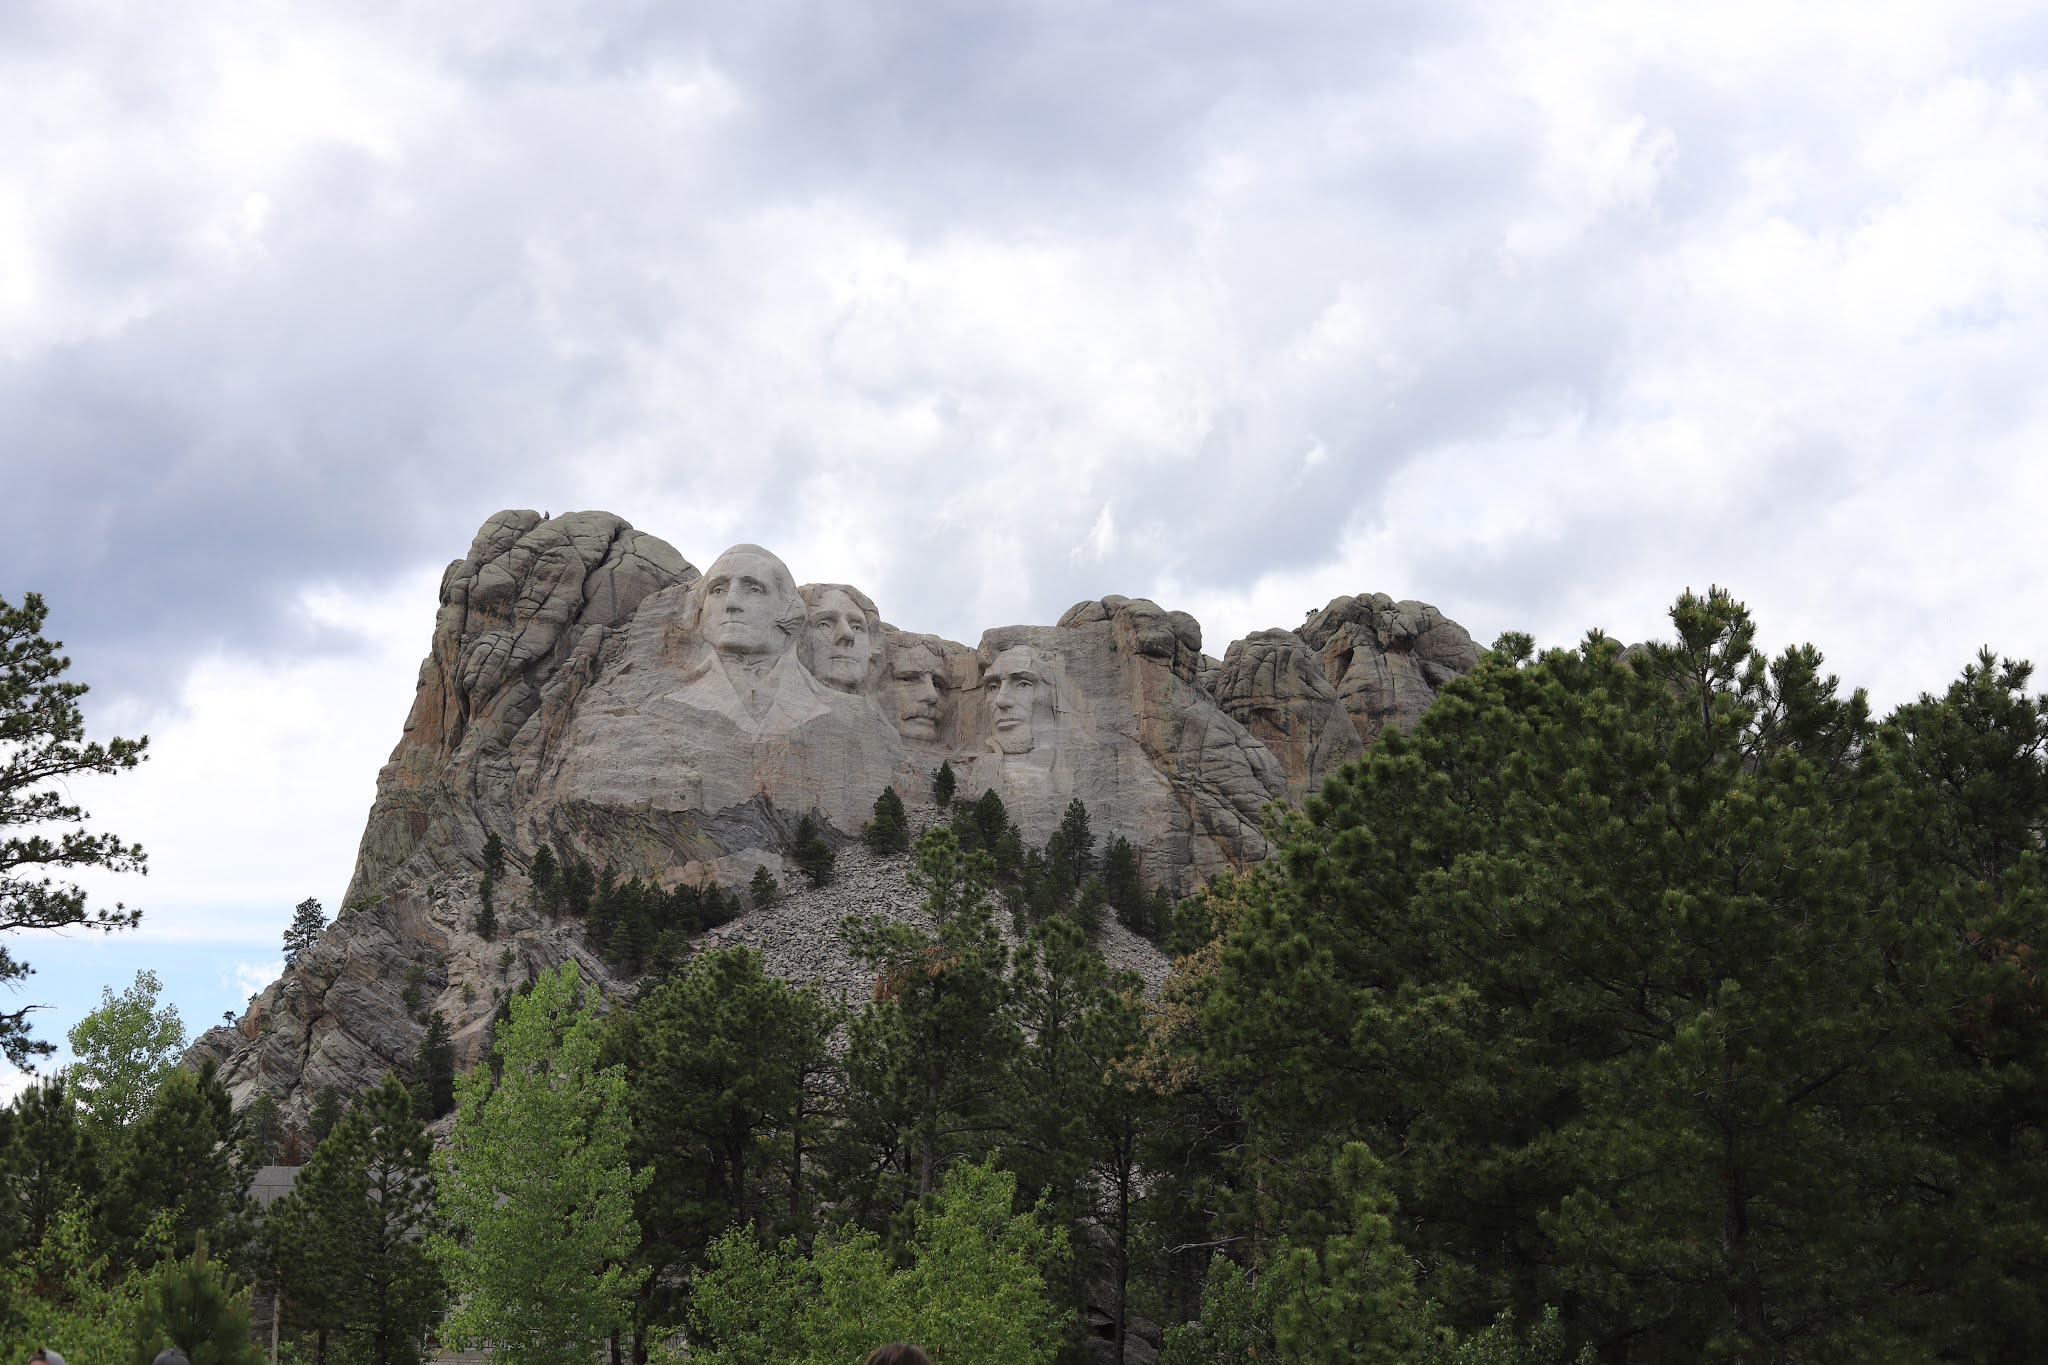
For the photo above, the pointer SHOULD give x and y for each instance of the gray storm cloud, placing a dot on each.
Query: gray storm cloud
(1538, 318)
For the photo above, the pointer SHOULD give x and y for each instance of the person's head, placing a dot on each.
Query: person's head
(44, 1353)
(750, 603)
(171, 1356)
(1021, 696)
(841, 636)
(917, 681)
(897, 1353)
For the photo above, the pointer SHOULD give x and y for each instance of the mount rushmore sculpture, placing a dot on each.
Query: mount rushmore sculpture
(589, 687)
(589, 690)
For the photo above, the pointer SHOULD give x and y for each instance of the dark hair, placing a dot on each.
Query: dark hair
(171, 1356)
(897, 1353)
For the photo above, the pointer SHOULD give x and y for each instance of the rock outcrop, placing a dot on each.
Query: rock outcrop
(588, 689)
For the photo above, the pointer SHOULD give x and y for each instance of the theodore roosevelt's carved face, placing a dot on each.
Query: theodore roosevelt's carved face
(917, 683)
(750, 603)
(1021, 688)
(841, 644)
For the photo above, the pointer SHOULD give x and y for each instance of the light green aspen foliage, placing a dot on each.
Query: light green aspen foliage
(974, 1292)
(123, 1049)
(539, 1188)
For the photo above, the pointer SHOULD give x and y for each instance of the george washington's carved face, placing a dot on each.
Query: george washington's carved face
(750, 603)
(1021, 698)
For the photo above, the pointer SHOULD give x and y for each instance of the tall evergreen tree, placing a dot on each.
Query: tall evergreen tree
(814, 857)
(944, 783)
(763, 890)
(180, 1163)
(726, 1067)
(309, 921)
(889, 831)
(348, 1243)
(42, 747)
(1604, 960)
(540, 1187)
(48, 1163)
(435, 1068)
(930, 1056)
(542, 872)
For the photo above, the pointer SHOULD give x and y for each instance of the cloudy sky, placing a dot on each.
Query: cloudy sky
(1540, 312)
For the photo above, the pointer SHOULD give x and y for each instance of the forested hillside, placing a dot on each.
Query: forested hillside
(1642, 1004)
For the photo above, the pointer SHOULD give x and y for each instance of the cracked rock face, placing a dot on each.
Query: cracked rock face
(589, 688)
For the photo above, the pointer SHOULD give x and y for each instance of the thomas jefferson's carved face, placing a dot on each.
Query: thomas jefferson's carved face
(841, 645)
(917, 682)
(747, 603)
(1022, 699)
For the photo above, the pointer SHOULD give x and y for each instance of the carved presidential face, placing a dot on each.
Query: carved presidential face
(1020, 685)
(750, 603)
(841, 643)
(917, 680)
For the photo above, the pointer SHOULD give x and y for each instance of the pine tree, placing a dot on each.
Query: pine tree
(1126, 889)
(48, 1163)
(540, 1187)
(542, 873)
(762, 888)
(944, 784)
(436, 1067)
(929, 1057)
(814, 857)
(308, 922)
(328, 1107)
(889, 831)
(178, 1164)
(726, 1072)
(194, 1305)
(1076, 844)
(262, 1132)
(44, 733)
(347, 1241)
(1603, 959)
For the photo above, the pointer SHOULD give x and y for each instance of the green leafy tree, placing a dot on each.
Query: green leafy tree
(348, 1243)
(944, 783)
(539, 1187)
(814, 857)
(929, 1057)
(43, 747)
(435, 1068)
(195, 1305)
(763, 889)
(308, 922)
(63, 1292)
(974, 1289)
(124, 1049)
(889, 831)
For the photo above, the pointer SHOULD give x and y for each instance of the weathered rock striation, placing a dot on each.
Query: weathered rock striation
(589, 689)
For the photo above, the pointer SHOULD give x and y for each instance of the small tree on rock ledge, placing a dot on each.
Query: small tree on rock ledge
(889, 831)
(814, 857)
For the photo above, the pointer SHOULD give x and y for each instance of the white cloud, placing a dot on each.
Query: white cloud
(1541, 313)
